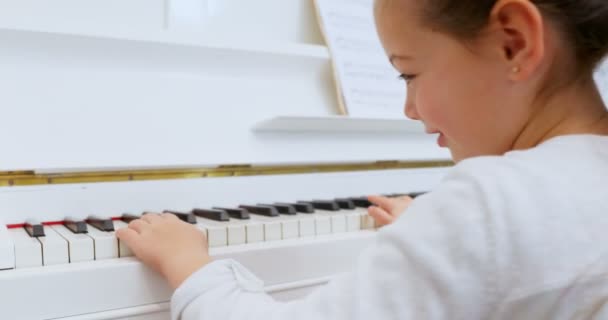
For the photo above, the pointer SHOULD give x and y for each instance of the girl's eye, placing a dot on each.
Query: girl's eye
(407, 77)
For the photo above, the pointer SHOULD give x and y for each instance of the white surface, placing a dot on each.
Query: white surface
(7, 249)
(369, 84)
(83, 100)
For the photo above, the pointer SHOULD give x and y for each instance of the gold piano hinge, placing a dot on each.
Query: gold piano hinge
(27, 178)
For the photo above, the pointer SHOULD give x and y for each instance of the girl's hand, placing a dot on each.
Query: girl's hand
(386, 210)
(168, 245)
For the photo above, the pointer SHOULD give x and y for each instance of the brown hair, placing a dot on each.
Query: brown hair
(583, 22)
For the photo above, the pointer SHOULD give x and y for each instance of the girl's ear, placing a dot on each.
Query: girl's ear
(520, 35)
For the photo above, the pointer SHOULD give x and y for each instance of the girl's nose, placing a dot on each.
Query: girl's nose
(410, 108)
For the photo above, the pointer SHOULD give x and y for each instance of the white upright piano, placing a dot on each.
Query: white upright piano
(216, 110)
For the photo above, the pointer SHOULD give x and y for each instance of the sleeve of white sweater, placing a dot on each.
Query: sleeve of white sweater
(437, 261)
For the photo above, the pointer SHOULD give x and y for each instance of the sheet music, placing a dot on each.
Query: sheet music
(367, 82)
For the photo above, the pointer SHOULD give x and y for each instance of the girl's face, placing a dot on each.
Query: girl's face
(460, 90)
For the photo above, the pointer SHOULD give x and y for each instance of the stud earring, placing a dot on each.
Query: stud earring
(515, 69)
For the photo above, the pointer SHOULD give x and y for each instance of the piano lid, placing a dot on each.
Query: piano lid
(252, 86)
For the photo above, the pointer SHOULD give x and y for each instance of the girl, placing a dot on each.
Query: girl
(515, 231)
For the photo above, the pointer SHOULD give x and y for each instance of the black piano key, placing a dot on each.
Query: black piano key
(128, 217)
(300, 207)
(345, 204)
(76, 226)
(282, 208)
(237, 213)
(34, 228)
(413, 195)
(361, 202)
(323, 205)
(217, 215)
(184, 216)
(261, 210)
(103, 224)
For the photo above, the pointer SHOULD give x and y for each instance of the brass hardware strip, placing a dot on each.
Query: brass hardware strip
(28, 178)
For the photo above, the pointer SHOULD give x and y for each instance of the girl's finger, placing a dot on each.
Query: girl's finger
(150, 217)
(128, 236)
(383, 202)
(380, 216)
(138, 225)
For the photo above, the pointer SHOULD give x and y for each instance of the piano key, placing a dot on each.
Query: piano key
(184, 216)
(367, 221)
(54, 248)
(345, 204)
(322, 224)
(232, 233)
(361, 202)
(28, 250)
(261, 210)
(323, 205)
(80, 246)
(217, 235)
(7, 249)
(105, 243)
(282, 208)
(237, 213)
(353, 221)
(75, 225)
(306, 225)
(34, 228)
(102, 224)
(273, 229)
(300, 207)
(127, 217)
(414, 195)
(214, 214)
(337, 220)
(123, 250)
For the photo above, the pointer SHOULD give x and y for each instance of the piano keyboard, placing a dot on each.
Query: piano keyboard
(71, 241)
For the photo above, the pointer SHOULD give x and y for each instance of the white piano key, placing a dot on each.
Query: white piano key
(123, 250)
(353, 221)
(235, 232)
(367, 221)
(307, 225)
(273, 228)
(337, 218)
(54, 248)
(28, 250)
(217, 236)
(80, 245)
(105, 243)
(255, 231)
(7, 249)
(322, 224)
(290, 226)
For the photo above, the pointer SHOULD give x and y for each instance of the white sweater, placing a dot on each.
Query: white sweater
(522, 236)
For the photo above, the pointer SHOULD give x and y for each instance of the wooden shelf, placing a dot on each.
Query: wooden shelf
(338, 124)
